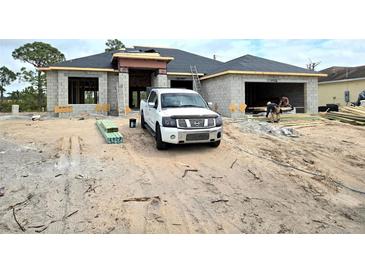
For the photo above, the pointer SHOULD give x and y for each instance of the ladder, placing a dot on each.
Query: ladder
(196, 82)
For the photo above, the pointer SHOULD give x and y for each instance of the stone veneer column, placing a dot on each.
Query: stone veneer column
(123, 91)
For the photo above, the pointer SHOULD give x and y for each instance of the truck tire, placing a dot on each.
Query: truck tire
(215, 144)
(160, 145)
(143, 123)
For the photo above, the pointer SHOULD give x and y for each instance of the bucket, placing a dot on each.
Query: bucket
(132, 123)
(15, 109)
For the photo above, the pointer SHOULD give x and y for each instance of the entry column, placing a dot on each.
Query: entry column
(159, 79)
(123, 90)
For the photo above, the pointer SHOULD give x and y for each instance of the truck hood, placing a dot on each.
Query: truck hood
(188, 112)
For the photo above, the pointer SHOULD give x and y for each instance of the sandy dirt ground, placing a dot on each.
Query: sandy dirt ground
(59, 176)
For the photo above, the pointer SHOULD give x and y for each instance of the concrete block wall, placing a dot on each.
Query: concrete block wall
(103, 87)
(237, 90)
(311, 95)
(230, 89)
(81, 108)
(58, 94)
(52, 90)
(123, 92)
(113, 80)
(160, 81)
(223, 91)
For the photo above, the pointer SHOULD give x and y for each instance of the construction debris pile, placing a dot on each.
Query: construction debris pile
(350, 115)
(253, 126)
(109, 131)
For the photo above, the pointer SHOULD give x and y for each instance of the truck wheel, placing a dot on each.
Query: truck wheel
(143, 123)
(159, 144)
(215, 144)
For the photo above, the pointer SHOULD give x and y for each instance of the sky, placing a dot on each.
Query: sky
(296, 52)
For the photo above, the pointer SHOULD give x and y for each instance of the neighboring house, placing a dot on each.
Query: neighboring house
(121, 78)
(331, 89)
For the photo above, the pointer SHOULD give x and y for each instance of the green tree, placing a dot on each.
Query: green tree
(114, 44)
(6, 78)
(39, 55)
(31, 77)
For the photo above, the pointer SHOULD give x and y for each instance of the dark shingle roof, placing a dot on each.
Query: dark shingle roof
(254, 63)
(181, 63)
(183, 60)
(343, 73)
(101, 60)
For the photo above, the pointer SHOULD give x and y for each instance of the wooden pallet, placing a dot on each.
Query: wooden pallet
(350, 115)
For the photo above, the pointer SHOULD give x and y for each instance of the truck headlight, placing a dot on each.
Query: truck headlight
(168, 122)
(218, 121)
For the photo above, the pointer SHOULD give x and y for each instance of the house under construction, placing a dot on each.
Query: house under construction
(121, 78)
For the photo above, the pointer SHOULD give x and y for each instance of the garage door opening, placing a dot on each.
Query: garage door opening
(258, 94)
(188, 84)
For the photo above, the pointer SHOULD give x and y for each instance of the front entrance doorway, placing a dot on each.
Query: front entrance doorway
(135, 97)
(139, 81)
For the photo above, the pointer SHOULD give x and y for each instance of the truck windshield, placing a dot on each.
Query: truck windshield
(177, 100)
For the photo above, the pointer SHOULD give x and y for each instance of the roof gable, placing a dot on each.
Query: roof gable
(100, 60)
(258, 64)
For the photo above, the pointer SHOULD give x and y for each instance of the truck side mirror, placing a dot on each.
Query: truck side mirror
(151, 104)
(210, 105)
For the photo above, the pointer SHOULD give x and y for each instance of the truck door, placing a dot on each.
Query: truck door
(154, 113)
(151, 111)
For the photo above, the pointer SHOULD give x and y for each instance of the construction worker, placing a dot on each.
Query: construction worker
(273, 110)
(360, 98)
(284, 102)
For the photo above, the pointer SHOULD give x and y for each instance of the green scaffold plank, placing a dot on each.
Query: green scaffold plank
(110, 137)
(108, 126)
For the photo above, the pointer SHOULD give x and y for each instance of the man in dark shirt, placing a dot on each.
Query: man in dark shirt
(274, 110)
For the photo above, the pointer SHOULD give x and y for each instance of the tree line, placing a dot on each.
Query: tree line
(37, 54)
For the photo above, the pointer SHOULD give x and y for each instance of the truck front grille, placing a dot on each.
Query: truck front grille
(196, 123)
(197, 137)
(182, 123)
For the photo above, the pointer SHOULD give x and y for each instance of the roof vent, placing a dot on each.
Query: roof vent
(150, 51)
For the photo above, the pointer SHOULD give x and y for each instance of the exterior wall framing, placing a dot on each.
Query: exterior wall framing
(57, 90)
(229, 89)
(123, 92)
(224, 90)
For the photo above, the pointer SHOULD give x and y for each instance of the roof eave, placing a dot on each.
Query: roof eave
(342, 80)
(77, 69)
(143, 56)
(182, 73)
(242, 72)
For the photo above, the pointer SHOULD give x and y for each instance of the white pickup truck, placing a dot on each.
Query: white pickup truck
(180, 116)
